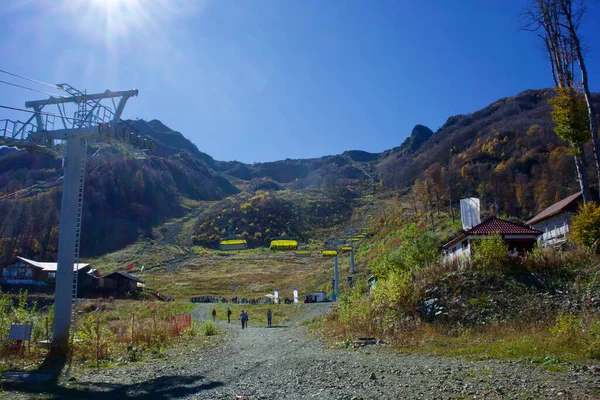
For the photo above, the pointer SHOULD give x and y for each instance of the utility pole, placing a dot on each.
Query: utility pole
(90, 121)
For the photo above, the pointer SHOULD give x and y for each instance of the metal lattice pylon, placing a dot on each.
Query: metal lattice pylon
(90, 121)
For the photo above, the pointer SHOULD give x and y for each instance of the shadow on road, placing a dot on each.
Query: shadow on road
(165, 387)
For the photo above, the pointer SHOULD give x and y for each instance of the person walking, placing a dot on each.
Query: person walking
(228, 315)
(269, 317)
(214, 314)
(243, 318)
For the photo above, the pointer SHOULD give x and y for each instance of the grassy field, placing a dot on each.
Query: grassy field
(177, 268)
(245, 274)
(181, 272)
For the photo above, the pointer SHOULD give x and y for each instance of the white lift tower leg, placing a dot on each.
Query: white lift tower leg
(70, 221)
(336, 278)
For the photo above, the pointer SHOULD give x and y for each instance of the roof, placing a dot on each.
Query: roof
(125, 275)
(503, 227)
(560, 206)
(48, 266)
(493, 226)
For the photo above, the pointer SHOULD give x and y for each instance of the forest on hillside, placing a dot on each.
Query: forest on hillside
(507, 154)
(123, 199)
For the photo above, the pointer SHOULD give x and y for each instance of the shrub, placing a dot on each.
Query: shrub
(95, 341)
(585, 228)
(593, 345)
(417, 250)
(394, 292)
(567, 328)
(490, 254)
(209, 329)
(354, 311)
(548, 260)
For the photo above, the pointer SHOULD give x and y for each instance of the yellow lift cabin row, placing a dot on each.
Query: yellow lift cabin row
(302, 253)
(329, 253)
(233, 244)
(283, 244)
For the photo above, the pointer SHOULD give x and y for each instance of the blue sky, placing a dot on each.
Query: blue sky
(267, 80)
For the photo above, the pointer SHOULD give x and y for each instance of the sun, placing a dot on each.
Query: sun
(113, 21)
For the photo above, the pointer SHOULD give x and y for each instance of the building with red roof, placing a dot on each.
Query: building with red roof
(518, 237)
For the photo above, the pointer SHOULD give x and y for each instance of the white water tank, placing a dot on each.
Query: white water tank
(470, 212)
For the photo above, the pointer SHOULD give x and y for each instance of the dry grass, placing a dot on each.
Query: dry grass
(246, 274)
(541, 343)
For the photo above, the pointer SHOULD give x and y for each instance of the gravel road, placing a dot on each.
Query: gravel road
(287, 363)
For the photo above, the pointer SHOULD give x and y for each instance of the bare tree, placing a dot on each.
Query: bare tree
(544, 16)
(558, 22)
(572, 19)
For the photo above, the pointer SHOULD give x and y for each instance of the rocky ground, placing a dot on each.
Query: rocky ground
(286, 362)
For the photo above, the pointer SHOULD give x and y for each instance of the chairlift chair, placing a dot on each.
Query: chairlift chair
(329, 253)
(303, 252)
(233, 243)
(284, 243)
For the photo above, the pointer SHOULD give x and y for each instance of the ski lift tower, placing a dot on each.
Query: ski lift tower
(332, 249)
(91, 121)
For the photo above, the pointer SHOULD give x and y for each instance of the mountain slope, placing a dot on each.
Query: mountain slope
(506, 154)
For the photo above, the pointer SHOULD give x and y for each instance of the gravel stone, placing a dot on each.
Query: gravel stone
(289, 363)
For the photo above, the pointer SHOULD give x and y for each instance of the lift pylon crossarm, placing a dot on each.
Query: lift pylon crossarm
(81, 98)
(106, 132)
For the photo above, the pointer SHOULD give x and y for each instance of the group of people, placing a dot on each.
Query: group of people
(234, 300)
(244, 318)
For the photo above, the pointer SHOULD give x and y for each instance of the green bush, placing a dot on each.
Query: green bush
(209, 329)
(567, 329)
(593, 344)
(419, 248)
(395, 291)
(19, 313)
(490, 254)
(95, 342)
(585, 227)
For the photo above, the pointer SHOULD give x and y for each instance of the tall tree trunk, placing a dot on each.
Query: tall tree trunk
(450, 193)
(432, 222)
(567, 10)
(412, 197)
(582, 177)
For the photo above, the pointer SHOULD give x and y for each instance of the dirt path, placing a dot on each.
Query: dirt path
(286, 363)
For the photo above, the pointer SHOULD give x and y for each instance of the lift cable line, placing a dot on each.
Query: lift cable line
(90, 121)
(27, 88)
(44, 185)
(30, 79)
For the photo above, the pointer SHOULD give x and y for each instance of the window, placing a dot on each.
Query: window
(13, 272)
(28, 272)
(51, 275)
(6, 272)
